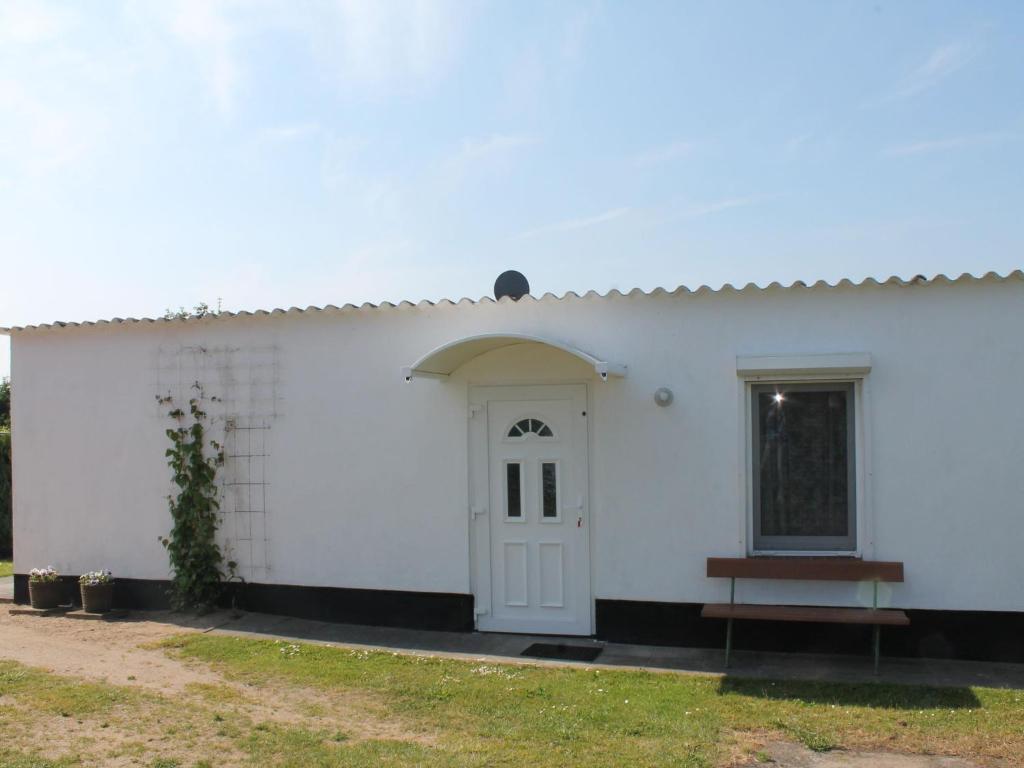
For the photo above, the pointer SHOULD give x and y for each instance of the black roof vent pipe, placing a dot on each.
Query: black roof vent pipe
(512, 284)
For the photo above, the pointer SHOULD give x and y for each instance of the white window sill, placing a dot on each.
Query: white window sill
(805, 553)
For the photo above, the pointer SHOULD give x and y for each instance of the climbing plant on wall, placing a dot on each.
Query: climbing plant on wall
(194, 459)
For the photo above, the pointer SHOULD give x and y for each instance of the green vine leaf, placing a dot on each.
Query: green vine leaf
(194, 555)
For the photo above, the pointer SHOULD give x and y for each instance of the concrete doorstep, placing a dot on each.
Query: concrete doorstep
(70, 612)
(25, 610)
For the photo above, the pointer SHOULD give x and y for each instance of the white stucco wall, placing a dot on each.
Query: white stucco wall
(367, 475)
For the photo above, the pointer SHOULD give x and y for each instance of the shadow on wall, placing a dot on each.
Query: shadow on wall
(874, 695)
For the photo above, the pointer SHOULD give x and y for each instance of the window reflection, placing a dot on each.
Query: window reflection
(549, 488)
(513, 482)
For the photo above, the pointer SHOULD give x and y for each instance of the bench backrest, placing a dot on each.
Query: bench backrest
(804, 568)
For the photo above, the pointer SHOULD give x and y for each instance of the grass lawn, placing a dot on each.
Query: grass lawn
(6, 568)
(303, 705)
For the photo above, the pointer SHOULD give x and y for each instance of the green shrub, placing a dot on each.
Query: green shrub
(6, 533)
(5, 403)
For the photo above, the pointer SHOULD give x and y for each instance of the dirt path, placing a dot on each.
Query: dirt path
(123, 653)
(99, 650)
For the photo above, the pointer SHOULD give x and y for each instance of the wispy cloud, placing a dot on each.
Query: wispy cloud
(341, 160)
(575, 32)
(477, 157)
(474, 149)
(942, 145)
(362, 43)
(204, 27)
(283, 134)
(572, 225)
(392, 44)
(940, 64)
(662, 155)
(40, 136)
(33, 21)
(796, 144)
(59, 90)
(718, 206)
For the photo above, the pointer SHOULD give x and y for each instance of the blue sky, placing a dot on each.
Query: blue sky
(278, 152)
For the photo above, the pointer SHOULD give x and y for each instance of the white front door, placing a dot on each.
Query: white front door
(528, 504)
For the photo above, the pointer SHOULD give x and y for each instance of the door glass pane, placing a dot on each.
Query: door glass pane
(513, 483)
(525, 427)
(803, 462)
(549, 488)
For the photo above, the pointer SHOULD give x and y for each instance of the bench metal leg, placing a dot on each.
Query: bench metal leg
(878, 645)
(878, 628)
(728, 627)
(728, 642)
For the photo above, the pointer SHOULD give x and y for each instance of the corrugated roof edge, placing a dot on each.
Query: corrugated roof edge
(894, 280)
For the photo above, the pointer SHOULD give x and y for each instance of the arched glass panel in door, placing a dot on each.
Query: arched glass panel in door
(530, 427)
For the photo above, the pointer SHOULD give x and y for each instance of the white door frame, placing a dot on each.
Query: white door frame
(479, 448)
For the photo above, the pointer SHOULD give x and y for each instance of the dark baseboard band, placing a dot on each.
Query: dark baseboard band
(377, 607)
(444, 611)
(973, 635)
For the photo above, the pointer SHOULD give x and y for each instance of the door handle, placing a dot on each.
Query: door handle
(475, 512)
(578, 509)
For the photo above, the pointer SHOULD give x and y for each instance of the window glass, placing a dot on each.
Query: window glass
(525, 427)
(513, 489)
(803, 467)
(549, 488)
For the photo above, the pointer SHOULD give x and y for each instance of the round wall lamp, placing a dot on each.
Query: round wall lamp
(663, 396)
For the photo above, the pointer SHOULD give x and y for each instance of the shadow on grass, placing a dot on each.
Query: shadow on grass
(877, 695)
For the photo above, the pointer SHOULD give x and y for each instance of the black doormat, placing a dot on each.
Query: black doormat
(563, 651)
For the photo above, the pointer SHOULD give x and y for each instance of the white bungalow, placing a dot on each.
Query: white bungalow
(565, 465)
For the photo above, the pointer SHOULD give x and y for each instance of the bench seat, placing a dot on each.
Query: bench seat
(805, 568)
(852, 569)
(811, 614)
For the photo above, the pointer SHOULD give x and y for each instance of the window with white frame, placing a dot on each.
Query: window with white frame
(803, 473)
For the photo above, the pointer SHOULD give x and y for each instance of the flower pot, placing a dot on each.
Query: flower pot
(45, 594)
(97, 598)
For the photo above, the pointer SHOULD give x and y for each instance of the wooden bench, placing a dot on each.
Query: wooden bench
(804, 569)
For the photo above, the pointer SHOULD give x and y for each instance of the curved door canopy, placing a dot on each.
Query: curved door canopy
(443, 361)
